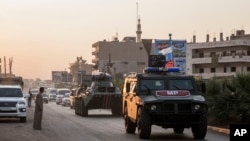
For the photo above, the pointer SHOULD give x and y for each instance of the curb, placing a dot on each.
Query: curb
(221, 130)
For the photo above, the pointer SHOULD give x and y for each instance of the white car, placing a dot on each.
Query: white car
(12, 102)
(51, 92)
(65, 100)
(60, 94)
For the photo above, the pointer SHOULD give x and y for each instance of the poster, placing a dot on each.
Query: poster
(175, 52)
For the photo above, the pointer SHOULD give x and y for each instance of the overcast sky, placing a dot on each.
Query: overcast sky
(46, 35)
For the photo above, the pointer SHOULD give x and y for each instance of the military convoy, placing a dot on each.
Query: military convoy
(163, 97)
(101, 94)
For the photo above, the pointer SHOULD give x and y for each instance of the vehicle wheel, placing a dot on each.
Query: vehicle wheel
(129, 125)
(23, 119)
(84, 109)
(143, 124)
(200, 130)
(178, 130)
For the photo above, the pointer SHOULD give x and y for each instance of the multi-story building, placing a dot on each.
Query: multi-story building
(120, 57)
(219, 58)
(129, 55)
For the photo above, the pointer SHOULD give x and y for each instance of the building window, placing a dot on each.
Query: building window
(212, 54)
(233, 53)
(212, 69)
(248, 68)
(224, 53)
(201, 55)
(141, 63)
(201, 70)
(233, 69)
(248, 52)
(225, 69)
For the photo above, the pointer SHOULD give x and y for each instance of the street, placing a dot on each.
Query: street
(61, 124)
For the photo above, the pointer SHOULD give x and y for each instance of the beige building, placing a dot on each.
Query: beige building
(219, 58)
(121, 57)
(128, 55)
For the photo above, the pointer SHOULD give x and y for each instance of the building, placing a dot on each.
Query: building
(128, 55)
(219, 58)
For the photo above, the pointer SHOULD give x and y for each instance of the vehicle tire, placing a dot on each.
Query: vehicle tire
(200, 130)
(143, 124)
(84, 109)
(23, 119)
(129, 125)
(178, 130)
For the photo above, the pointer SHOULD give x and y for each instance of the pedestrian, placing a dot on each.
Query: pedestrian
(38, 110)
(29, 98)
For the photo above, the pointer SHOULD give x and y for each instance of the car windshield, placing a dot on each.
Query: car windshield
(52, 91)
(180, 84)
(152, 84)
(62, 92)
(10, 92)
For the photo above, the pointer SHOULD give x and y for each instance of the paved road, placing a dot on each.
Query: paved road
(61, 124)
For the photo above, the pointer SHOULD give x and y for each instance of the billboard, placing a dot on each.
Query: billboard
(175, 52)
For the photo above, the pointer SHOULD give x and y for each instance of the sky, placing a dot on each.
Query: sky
(47, 35)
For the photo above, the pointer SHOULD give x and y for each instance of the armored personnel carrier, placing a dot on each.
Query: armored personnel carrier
(101, 94)
(163, 97)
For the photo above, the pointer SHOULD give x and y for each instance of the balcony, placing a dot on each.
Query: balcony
(205, 60)
(228, 59)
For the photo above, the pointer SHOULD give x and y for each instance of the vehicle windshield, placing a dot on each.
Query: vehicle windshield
(52, 91)
(10, 92)
(62, 92)
(180, 84)
(152, 84)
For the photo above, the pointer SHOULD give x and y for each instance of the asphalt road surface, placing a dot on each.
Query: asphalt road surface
(61, 124)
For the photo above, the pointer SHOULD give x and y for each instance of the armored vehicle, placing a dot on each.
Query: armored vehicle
(166, 98)
(101, 94)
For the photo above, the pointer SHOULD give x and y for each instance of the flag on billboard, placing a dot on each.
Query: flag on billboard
(174, 51)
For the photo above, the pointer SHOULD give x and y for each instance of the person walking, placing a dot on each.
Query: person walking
(37, 123)
(29, 99)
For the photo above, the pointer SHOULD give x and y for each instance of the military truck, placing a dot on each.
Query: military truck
(163, 97)
(101, 94)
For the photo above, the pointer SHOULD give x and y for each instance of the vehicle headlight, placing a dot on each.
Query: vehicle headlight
(153, 107)
(199, 98)
(197, 107)
(21, 103)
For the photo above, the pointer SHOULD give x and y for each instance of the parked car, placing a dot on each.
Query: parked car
(60, 94)
(12, 102)
(45, 98)
(65, 100)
